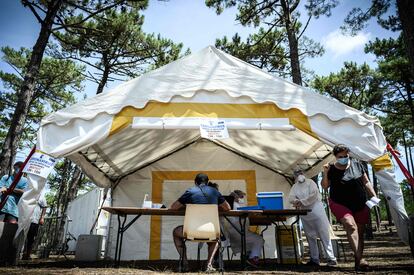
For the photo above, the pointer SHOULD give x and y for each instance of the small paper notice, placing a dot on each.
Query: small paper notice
(213, 129)
(40, 164)
(374, 201)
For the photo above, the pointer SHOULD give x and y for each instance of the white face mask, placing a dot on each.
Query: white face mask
(301, 179)
(241, 201)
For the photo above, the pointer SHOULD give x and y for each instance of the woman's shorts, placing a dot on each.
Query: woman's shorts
(340, 211)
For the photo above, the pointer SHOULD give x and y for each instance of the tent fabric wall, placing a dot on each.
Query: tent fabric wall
(393, 195)
(82, 214)
(210, 157)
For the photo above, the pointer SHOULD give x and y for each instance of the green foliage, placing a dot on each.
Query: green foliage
(269, 50)
(394, 78)
(114, 44)
(57, 82)
(279, 46)
(357, 19)
(408, 200)
(408, 196)
(353, 85)
(386, 91)
(263, 51)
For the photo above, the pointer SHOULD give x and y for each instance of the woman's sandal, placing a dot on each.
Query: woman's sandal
(362, 265)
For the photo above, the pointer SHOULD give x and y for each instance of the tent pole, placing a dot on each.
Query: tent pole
(10, 190)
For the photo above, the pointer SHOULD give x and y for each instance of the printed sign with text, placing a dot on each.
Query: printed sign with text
(214, 129)
(40, 164)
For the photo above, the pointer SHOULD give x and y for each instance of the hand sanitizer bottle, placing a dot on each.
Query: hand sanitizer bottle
(146, 203)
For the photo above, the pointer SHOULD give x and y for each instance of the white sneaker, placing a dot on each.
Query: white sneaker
(210, 269)
(331, 263)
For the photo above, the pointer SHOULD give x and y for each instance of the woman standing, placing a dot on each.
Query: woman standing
(348, 182)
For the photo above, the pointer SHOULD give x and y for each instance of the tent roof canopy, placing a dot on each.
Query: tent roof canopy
(209, 70)
(97, 134)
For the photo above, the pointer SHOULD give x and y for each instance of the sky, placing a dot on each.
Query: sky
(197, 26)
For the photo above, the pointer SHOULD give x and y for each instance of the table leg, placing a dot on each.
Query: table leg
(278, 245)
(117, 238)
(293, 238)
(121, 229)
(243, 254)
(118, 261)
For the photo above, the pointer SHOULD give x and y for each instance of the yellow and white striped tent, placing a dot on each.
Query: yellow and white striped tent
(142, 137)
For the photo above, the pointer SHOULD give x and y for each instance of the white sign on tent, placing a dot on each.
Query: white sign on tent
(40, 164)
(214, 129)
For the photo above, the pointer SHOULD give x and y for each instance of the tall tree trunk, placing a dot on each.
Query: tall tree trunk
(105, 75)
(293, 43)
(60, 195)
(406, 14)
(26, 92)
(410, 100)
(410, 154)
(406, 151)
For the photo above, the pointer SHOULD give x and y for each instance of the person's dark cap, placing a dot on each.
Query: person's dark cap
(201, 179)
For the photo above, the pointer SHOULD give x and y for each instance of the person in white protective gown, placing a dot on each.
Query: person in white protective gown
(254, 242)
(305, 194)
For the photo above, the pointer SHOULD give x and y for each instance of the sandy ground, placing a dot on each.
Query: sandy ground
(385, 253)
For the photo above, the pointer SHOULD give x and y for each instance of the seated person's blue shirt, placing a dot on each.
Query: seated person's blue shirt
(11, 204)
(202, 194)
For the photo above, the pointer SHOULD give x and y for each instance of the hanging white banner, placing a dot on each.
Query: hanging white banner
(40, 164)
(213, 129)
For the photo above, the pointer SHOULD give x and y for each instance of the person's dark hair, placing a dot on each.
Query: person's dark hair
(18, 163)
(239, 193)
(340, 148)
(213, 184)
(201, 179)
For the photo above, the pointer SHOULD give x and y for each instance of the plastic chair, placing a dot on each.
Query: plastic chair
(203, 227)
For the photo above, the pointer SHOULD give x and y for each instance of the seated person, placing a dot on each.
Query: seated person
(214, 185)
(201, 193)
(254, 242)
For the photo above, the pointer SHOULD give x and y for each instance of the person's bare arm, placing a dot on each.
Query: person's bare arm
(325, 181)
(176, 205)
(42, 215)
(225, 206)
(368, 186)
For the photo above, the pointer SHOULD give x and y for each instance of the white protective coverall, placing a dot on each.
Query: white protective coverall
(315, 223)
(254, 242)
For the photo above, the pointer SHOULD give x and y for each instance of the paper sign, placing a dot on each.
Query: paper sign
(213, 129)
(374, 201)
(40, 164)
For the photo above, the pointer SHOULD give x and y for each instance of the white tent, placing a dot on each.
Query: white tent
(141, 136)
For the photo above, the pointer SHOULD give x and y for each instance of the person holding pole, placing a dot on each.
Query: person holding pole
(10, 213)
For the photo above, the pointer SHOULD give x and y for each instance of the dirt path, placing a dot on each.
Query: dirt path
(385, 253)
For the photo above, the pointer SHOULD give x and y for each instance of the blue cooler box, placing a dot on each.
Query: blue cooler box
(270, 200)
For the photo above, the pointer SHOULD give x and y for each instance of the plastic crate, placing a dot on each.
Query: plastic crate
(270, 200)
